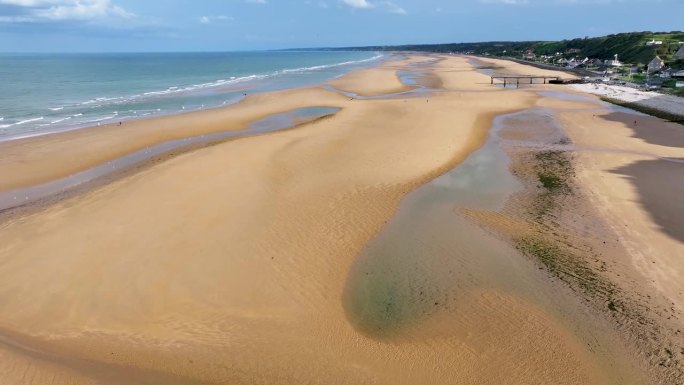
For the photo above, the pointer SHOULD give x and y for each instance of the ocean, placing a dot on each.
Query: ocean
(42, 93)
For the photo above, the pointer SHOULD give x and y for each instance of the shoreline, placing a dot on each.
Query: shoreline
(240, 251)
(235, 92)
(169, 127)
(42, 201)
(15, 199)
(139, 134)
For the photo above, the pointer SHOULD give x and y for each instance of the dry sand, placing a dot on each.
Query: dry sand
(637, 189)
(228, 264)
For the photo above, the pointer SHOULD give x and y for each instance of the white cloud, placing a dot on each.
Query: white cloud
(387, 6)
(358, 3)
(210, 19)
(62, 10)
(84, 10)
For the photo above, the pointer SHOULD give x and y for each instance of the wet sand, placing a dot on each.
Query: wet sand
(600, 212)
(249, 261)
(27, 198)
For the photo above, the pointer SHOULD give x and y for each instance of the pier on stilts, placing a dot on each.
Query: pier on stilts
(517, 79)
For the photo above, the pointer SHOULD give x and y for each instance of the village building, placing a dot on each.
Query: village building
(654, 42)
(614, 63)
(679, 55)
(655, 65)
(595, 63)
(529, 55)
(666, 73)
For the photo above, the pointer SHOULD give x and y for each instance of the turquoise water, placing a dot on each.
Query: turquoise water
(43, 93)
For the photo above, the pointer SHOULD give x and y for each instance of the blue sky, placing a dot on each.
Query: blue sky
(226, 25)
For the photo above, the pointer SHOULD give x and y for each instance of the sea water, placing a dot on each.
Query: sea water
(41, 93)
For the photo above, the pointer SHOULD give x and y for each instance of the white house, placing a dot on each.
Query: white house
(614, 63)
(529, 54)
(679, 84)
(654, 42)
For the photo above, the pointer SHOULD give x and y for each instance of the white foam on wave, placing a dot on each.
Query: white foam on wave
(78, 119)
(60, 120)
(27, 121)
(326, 66)
(19, 123)
(100, 119)
(100, 101)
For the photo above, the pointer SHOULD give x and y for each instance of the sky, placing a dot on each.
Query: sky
(238, 25)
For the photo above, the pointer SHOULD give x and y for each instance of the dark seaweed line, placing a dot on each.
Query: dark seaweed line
(554, 173)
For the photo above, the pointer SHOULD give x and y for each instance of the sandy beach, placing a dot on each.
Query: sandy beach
(275, 258)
